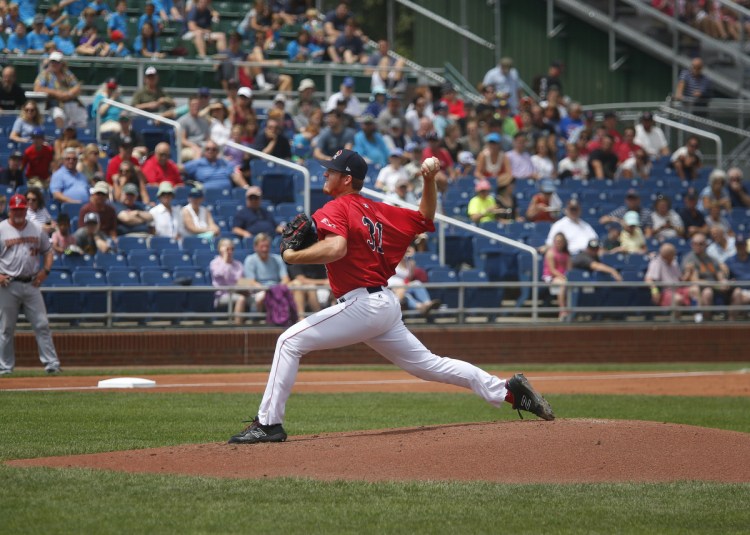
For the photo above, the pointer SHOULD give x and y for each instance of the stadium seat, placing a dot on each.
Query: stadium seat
(126, 244)
(449, 296)
(194, 243)
(131, 301)
(479, 297)
(202, 259)
(61, 302)
(92, 302)
(73, 261)
(162, 243)
(106, 260)
(195, 301)
(173, 259)
(140, 258)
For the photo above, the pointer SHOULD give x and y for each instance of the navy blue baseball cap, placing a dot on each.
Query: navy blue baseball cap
(347, 162)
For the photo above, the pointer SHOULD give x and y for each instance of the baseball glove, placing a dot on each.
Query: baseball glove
(298, 234)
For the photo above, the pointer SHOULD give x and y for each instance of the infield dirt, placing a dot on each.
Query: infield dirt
(528, 451)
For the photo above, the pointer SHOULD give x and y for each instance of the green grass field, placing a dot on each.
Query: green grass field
(85, 501)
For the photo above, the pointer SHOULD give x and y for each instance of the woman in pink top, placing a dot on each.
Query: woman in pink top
(226, 271)
(556, 266)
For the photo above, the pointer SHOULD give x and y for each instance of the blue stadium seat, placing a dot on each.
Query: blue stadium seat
(226, 209)
(449, 296)
(162, 243)
(213, 195)
(194, 243)
(126, 244)
(128, 302)
(173, 259)
(480, 297)
(92, 302)
(140, 258)
(286, 211)
(202, 259)
(106, 260)
(61, 302)
(73, 261)
(278, 187)
(195, 301)
(585, 296)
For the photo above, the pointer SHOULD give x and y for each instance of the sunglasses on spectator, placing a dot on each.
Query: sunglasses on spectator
(32, 199)
(29, 109)
(699, 243)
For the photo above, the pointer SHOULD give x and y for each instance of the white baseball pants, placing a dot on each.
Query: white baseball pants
(375, 319)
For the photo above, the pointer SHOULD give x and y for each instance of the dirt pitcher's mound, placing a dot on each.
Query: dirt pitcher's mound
(563, 451)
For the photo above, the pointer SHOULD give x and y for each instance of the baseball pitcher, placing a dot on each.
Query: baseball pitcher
(361, 241)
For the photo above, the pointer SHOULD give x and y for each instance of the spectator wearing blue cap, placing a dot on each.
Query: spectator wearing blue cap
(352, 105)
(390, 174)
(369, 143)
(492, 161)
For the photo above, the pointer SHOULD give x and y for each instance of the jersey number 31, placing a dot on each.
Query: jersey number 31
(376, 234)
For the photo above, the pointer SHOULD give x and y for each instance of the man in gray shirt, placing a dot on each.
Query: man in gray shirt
(195, 130)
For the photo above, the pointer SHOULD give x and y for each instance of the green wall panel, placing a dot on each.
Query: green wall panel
(582, 48)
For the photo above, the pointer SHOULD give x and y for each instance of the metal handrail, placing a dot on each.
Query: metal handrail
(599, 19)
(481, 232)
(461, 311)
(697, 132)
(278, 161)
(447, 23)
(148, 115)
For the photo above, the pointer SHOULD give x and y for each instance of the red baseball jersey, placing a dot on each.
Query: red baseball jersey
(377, 236)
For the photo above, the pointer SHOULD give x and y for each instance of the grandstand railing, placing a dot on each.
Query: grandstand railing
(475, 230)
(278, 161)
(698, 132)
(148, 115)
(585, 11)
(460, 313)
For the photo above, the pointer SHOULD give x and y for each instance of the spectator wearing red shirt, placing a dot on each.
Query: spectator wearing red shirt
(159, 168)
(456, 109)
(125, 152)
(626, 148)
(38, 157)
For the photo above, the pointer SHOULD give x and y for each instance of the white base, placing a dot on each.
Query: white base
(127, 382)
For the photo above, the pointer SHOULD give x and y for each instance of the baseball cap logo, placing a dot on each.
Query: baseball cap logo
(17, 201)
(336, 155)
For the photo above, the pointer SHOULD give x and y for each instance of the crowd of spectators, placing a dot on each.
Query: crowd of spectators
(488, 150)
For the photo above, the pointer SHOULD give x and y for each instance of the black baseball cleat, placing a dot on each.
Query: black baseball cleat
(528, 399)
(55, 370)
(256, 432)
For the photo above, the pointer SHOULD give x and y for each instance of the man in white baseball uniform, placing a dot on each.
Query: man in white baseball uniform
(361, 241)
(22, 242)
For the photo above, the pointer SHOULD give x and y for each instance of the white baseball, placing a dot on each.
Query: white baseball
(431, 165)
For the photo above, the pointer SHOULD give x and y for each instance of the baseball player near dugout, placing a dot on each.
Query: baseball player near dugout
(22, 242)
(361, 241)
